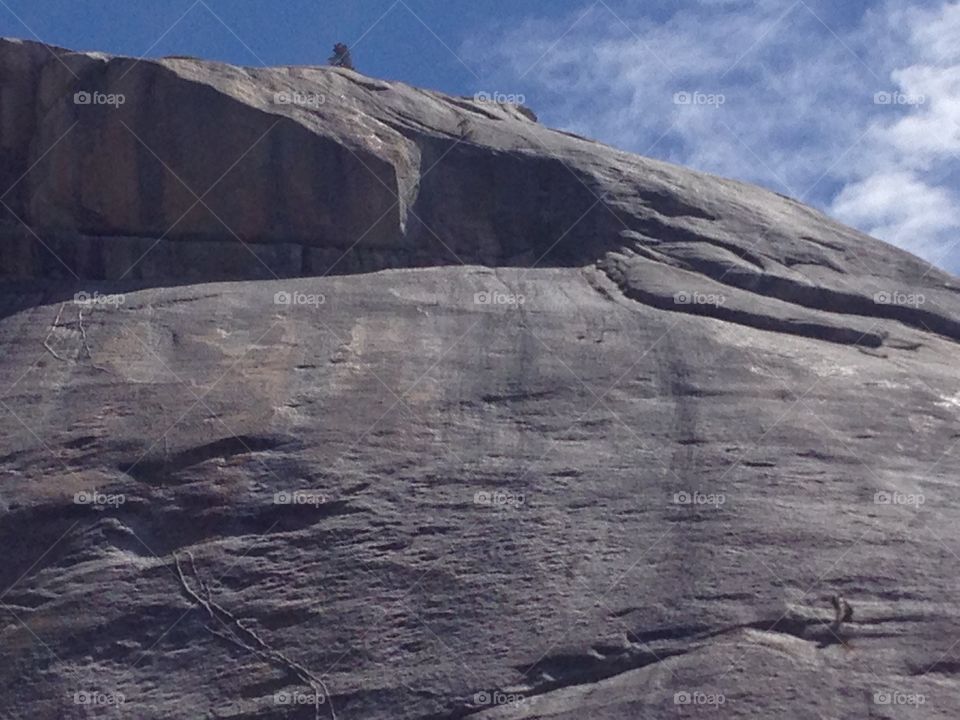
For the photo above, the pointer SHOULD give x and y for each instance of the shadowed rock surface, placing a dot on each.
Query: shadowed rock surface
(562, 432)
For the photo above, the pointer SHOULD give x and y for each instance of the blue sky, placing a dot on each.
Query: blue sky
(851, 106)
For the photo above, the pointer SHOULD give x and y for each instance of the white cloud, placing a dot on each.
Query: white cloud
(900, 206)
(936, 32)
(799, 85)
(933, 128)
(897, 190)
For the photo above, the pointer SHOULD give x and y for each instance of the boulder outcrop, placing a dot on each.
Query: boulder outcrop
(325, 396)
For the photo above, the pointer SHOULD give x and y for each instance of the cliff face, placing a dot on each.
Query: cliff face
(185, 171)
(598, 438)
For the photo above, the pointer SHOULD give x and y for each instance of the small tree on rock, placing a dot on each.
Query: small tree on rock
(341, 57)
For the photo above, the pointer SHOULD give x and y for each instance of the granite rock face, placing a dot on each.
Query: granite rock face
(323, 396)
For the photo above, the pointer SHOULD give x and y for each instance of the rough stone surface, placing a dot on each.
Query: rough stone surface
(528, 352)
